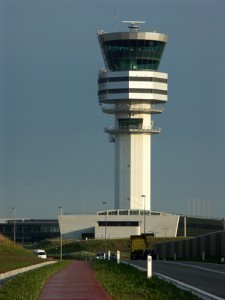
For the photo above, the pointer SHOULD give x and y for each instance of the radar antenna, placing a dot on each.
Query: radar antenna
(134, 25)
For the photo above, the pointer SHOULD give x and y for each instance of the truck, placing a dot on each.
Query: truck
(139, 247)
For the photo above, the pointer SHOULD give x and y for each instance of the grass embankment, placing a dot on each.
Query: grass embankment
(29, 285)
(87, 249)
(13, 256)
(125, 282)
(77, 249)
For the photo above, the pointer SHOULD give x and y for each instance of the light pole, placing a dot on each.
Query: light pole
(143, 196)
(104, 202)
(60, 228)
(14, 224)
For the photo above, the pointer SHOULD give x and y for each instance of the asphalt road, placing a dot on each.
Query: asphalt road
(204, 276)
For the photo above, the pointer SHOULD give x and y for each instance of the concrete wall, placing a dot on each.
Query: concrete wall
(73, 226)
(115, 232)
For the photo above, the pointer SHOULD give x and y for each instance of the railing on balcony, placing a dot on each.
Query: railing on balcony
(147, 129)
(125, 108)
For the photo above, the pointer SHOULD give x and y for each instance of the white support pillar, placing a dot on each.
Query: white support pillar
(118, 257)
(149, 266)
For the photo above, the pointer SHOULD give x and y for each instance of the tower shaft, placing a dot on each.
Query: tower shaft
(132, 170)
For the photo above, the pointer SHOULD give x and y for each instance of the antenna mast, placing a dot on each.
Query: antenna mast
(114, 16)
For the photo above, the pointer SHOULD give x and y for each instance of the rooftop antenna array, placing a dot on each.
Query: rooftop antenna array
(134, 25)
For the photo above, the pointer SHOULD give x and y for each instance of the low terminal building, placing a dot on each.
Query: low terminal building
(110, 224)
(29, 231)
(123, 223)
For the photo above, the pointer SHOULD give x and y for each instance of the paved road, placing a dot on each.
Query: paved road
(204, 276)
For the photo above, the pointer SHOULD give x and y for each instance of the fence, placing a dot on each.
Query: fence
(208, 245)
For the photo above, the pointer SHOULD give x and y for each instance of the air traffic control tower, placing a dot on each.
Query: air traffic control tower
(131, 88)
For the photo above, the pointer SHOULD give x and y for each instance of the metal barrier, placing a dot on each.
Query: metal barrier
(208, 245)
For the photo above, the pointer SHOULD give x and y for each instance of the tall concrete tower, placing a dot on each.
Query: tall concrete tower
(131, 88)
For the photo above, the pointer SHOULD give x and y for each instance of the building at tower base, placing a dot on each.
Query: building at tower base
(124, 223)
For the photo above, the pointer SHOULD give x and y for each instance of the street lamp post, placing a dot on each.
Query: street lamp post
(14, 224)
(104, 202)
(143, 196)
(60, 233)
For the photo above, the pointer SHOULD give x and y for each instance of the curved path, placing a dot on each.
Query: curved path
(77, 281)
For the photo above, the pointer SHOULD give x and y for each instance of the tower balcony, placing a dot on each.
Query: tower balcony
(144, 130)
(127, 108)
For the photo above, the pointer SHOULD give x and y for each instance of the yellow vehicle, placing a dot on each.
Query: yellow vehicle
(140, 248)
(138, 245)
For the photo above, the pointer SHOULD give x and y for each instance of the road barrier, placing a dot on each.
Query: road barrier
(204, 246)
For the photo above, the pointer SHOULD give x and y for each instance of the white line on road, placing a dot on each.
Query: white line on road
(200, 293)
(193, 266)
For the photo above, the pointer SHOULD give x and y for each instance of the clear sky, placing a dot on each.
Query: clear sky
(53, 149)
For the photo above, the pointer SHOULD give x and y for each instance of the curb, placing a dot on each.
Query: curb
(199, 293)
(8, 275)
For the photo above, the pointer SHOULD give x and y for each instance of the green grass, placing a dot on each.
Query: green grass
(28, 285)
(72, 246)
(121, 281)
(82, 250)
(86, 249)
(13, 256)
(124, 282)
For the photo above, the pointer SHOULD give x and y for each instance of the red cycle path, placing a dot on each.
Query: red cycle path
(77, 281)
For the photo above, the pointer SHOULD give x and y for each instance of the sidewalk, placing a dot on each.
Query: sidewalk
(77, 281)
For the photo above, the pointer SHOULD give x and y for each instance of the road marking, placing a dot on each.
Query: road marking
(200, 293)
(197, 267)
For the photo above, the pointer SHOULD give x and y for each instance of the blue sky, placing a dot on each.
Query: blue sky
(53, 149)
